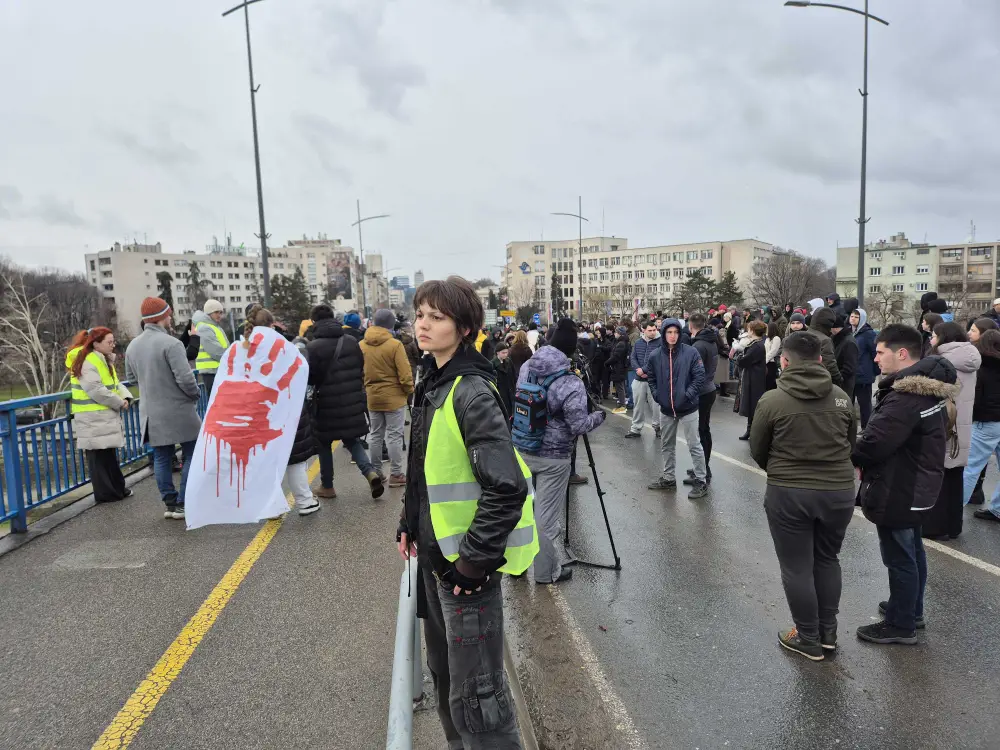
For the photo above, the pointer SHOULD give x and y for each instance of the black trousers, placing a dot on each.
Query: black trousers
(620, 392)
(808, 528)
(863, 395)
(105, 475)
(705, 404)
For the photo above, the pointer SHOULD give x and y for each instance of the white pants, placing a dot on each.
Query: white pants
(645, 409)
(387, 426)
(298, 482)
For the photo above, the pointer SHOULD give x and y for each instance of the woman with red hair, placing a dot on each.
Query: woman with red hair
(97, 400)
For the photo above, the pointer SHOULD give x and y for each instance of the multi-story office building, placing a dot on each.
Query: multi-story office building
(400, 282)
(418, 278)
(613, 275)
(126, 274)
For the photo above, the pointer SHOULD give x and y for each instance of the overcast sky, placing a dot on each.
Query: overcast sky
(470, 120)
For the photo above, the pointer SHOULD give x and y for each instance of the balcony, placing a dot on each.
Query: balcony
(950, 259)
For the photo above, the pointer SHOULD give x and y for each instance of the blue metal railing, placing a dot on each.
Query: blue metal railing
(40, 461)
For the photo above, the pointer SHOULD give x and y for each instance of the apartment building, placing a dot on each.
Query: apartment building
(896, 265)
(613, 275)
(125, 274)
(968, 276)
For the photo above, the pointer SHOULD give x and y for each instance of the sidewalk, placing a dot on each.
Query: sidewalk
(300, 657)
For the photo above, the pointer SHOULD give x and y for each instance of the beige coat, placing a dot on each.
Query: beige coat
(388, 375)
(97, 430)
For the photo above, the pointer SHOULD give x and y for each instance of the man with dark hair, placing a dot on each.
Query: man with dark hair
(901, 456)
(706, 342)
(802, 436)
(645, 408)
(676, 377)
(821, 326)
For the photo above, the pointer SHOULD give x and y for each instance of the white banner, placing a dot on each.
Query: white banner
(247, 434)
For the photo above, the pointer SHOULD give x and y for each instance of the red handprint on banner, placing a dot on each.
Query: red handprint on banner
(239, 414)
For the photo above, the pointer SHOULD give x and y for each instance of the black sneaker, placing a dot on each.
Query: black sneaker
(828, 639)
(986, 515)
(883, 633)
(882, 606)
(663, 484)
(793, 642)
(657, 431)
(698, 490)
(690, 481)
(631, 434)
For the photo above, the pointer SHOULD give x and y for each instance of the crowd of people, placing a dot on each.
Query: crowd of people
(497, 412)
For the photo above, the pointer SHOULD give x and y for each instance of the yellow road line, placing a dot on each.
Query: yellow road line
(124, 727)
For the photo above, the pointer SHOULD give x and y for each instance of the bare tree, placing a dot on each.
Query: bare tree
(789, 277)
(522, 292)
(26, 349)
(885, 306)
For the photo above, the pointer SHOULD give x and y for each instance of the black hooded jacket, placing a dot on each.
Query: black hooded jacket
(901, 452)
(821, 326)
(837, 306)
(484, 429)
(706, 342)
(341, 408)
(845, 349)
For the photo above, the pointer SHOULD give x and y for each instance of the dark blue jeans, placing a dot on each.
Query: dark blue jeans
(358, 453)
(163, 459)
(904, 556)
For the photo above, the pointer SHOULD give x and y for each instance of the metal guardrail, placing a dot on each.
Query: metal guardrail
(407, 687)
(40, 462)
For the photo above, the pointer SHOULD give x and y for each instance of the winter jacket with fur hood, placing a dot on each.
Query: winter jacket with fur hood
(901, 452)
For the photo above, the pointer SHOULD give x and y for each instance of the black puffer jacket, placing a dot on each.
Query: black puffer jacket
(706, 342)
(618, 362)
(845, 349)
(341, 410)
(901, 452)
(987, 404)
(488, 442)
(304, 446)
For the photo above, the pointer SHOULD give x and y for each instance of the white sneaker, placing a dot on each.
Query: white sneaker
(310, 509)
(176, 512)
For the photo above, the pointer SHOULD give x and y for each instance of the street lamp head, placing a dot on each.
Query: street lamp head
(798, 3)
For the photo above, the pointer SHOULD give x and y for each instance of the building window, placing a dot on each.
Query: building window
(923, 269)
(627, 275)
(678, 257)
(651, 258)
(616, 275)
(924, 251)
(707, 254)
(592, 277)
(603, 276)
(898, 270)
(922, 286)
(628, 260)
(664, 257)
(901, 254)
(981, 250)
(707, 270)
(678, 272)
(664, 273)
(592, 263)
(897, 287)
(640, 274)
(637, 260)
(614, 248)
(877, 271)
(875, 288)
(93, 266)
(603, 262)
(539, 266)
(616, 261)
(692, 255)
(955, 252)
(690, 271)
(539, 281)
(539, 249)
(876, 256)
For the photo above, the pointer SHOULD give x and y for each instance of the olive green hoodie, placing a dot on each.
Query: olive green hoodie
(803, 432)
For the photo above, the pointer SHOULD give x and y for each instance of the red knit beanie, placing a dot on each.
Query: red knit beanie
(154, 309)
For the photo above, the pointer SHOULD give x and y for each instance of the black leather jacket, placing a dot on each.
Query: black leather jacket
(483, 424)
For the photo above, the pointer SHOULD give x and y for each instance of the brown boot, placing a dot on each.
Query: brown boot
(397, 480)
(327, 493)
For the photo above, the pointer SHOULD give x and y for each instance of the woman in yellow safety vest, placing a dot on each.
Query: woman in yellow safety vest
(97, 400)
(467, 518)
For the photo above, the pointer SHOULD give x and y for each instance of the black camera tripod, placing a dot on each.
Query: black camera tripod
(604, 510)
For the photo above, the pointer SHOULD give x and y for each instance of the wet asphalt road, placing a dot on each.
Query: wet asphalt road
(689, 657)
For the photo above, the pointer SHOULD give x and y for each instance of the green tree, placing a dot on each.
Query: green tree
(526, 313)
(697, 295)
(557, 296)
(164, 280)
(483, 283)
(728, 291)
(291, 302)
(493, 303)
(198, 287)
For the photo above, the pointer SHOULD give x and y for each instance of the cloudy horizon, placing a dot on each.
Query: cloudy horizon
(470, 122)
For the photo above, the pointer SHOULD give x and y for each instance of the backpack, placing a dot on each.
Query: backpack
(531, 412)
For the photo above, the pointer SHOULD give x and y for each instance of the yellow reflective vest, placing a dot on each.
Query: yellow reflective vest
(205, 360)
(70, 361)
(79, 400)
(453, 492)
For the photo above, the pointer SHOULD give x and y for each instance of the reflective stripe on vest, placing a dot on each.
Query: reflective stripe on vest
(205, 361)
(70, 360)
(79, 400)
(453, 492)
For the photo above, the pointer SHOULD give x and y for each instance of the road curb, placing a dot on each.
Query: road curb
(43, 526)
(528, 738)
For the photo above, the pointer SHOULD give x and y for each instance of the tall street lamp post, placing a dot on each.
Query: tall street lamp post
(256, 153)
(579, 257)
(361, 250)
(862, 219)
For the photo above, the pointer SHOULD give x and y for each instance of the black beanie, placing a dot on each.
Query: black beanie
(925, 300)
(797, 318)
(938, 306)
(564, 337)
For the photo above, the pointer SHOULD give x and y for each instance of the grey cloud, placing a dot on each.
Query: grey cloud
(354, 41)
(157, 146)
(10, 201)
(56, 212)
